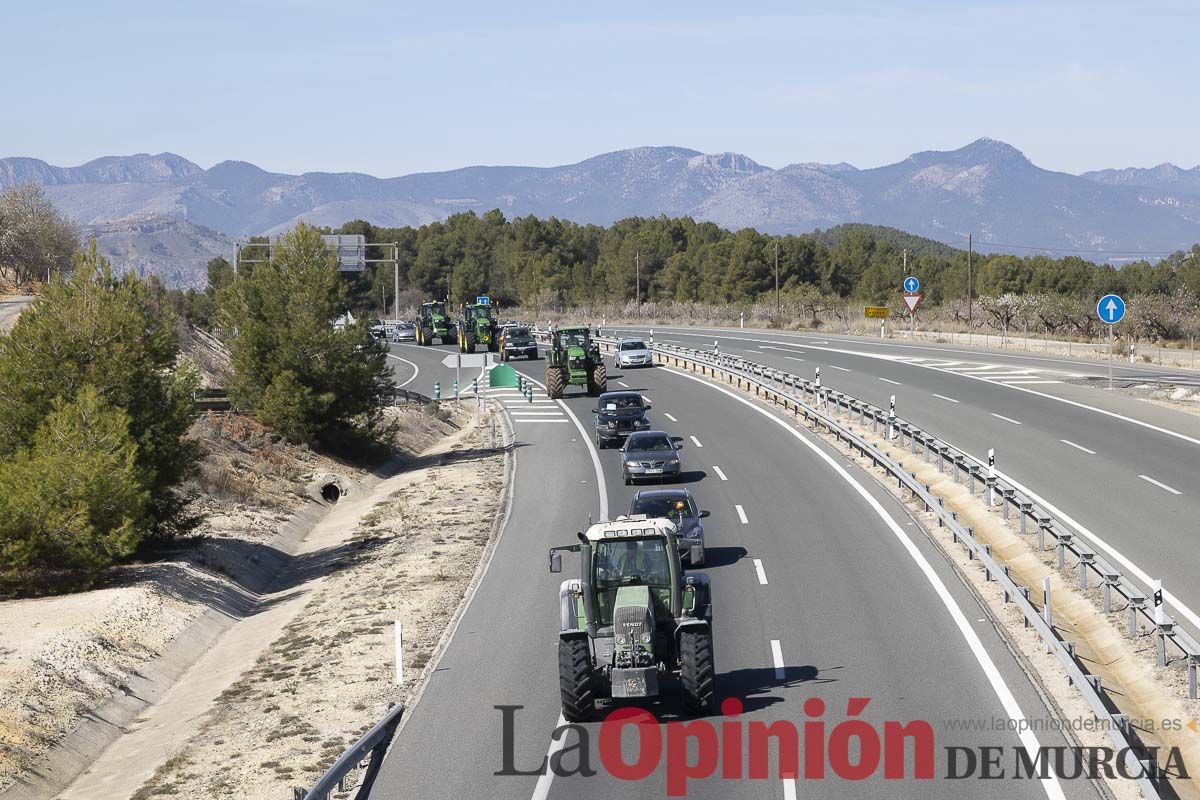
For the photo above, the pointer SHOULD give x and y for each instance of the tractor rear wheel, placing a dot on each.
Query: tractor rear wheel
(598, 380)
(697, 672)
(576, 682)
(493, 346)
(556, 378)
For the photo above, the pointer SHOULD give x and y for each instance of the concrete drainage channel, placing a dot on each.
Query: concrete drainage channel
(824, 408)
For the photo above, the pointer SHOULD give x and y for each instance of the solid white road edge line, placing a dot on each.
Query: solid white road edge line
(542, 790)
(1113, 552)
(741, 512)
(1050, 785)
(416, 370)
(720, 474)
(762, 574)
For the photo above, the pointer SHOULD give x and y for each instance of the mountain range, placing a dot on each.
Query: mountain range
(164, 214)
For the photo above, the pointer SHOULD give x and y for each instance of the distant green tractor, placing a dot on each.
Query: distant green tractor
(476, 327)
(432, 323)
(633, 616)
(574, 360)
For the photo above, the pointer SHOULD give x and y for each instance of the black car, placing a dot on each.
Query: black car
(679, 506)
(619, 414)
(516, 340)
(650, 454)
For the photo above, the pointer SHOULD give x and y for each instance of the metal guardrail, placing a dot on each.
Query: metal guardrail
(814, 401)
(373, 746)
(405, 396)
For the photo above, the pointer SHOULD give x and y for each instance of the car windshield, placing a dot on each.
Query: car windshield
(650, 443)
(519, 333)
(621, 402)
(631, 562)
(668, 507)
(635, 345)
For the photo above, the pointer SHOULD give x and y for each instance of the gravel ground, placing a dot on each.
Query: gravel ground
(329, 676)
(61, 658)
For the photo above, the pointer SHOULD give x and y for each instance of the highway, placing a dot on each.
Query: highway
(1122, 469)
(823, 587)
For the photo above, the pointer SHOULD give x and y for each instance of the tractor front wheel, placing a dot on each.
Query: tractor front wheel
(697, 672)
(598, 380)
(576, 682)
(556, 378)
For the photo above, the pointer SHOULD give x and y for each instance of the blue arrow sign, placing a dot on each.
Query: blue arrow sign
(1110, 309)
(911, 284)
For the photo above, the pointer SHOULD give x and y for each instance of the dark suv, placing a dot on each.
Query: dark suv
(619, 414)
(679, 506)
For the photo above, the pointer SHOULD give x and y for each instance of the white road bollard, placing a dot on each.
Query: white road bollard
(892, 418)
(818, 377)
(399, 654)
(992, 475)
(716, 348)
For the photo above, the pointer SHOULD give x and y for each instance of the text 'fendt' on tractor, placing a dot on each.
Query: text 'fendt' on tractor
(476, 327)
(632, 618)
(574, 360)
(432, 323)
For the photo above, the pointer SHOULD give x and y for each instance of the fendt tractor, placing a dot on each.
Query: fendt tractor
(432, 323)
(574, 360)
(476, 327)
(632, 618)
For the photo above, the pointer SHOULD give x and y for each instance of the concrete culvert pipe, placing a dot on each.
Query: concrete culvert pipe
(331, 493)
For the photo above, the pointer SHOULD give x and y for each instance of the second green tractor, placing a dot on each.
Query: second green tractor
(574, 360)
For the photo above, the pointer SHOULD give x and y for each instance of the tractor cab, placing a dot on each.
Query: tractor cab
(631, 617)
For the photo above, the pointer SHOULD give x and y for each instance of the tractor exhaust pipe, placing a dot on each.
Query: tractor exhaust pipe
(585, 586)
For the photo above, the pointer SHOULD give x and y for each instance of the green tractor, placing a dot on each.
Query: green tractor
(432, 323)
(476, 327)
(632, 618)
(574, 360)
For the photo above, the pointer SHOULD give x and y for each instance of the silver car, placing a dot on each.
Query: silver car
(404, 332)
(633, 353)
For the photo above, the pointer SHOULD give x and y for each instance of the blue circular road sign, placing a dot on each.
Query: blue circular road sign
(1110, 309)
(911, 284)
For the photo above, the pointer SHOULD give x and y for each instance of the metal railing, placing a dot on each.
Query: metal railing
(372, 748)
(824, 407)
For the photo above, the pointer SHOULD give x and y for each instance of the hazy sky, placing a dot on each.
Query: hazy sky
(394, 87)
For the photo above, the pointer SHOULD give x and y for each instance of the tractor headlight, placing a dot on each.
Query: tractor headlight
(646, 638)
(622, 639)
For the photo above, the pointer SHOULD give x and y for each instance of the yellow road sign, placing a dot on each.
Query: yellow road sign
(879, 312)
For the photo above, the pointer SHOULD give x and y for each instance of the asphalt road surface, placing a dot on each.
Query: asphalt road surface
(10, 308)
(823, 588)
(1121, 469)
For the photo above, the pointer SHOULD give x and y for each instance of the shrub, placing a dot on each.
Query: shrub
(75, 500)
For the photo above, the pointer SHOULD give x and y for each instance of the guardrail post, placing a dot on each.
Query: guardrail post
(1111, 579)
(1136, 604)
(1047, 614)
(1026, 510)
(1006, 496)
(1024, 590)
(971, 480)
(1085, 561)
(941, 505)
(958, 462)
(1064, 540)
(1164, 629)
(1043, 528)
(1193, 662)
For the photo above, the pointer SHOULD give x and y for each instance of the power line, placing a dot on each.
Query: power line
(1091, 252)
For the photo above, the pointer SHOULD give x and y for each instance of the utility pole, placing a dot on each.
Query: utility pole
(637, 279)
(970, 301)
(778, 312)
(396, 268)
